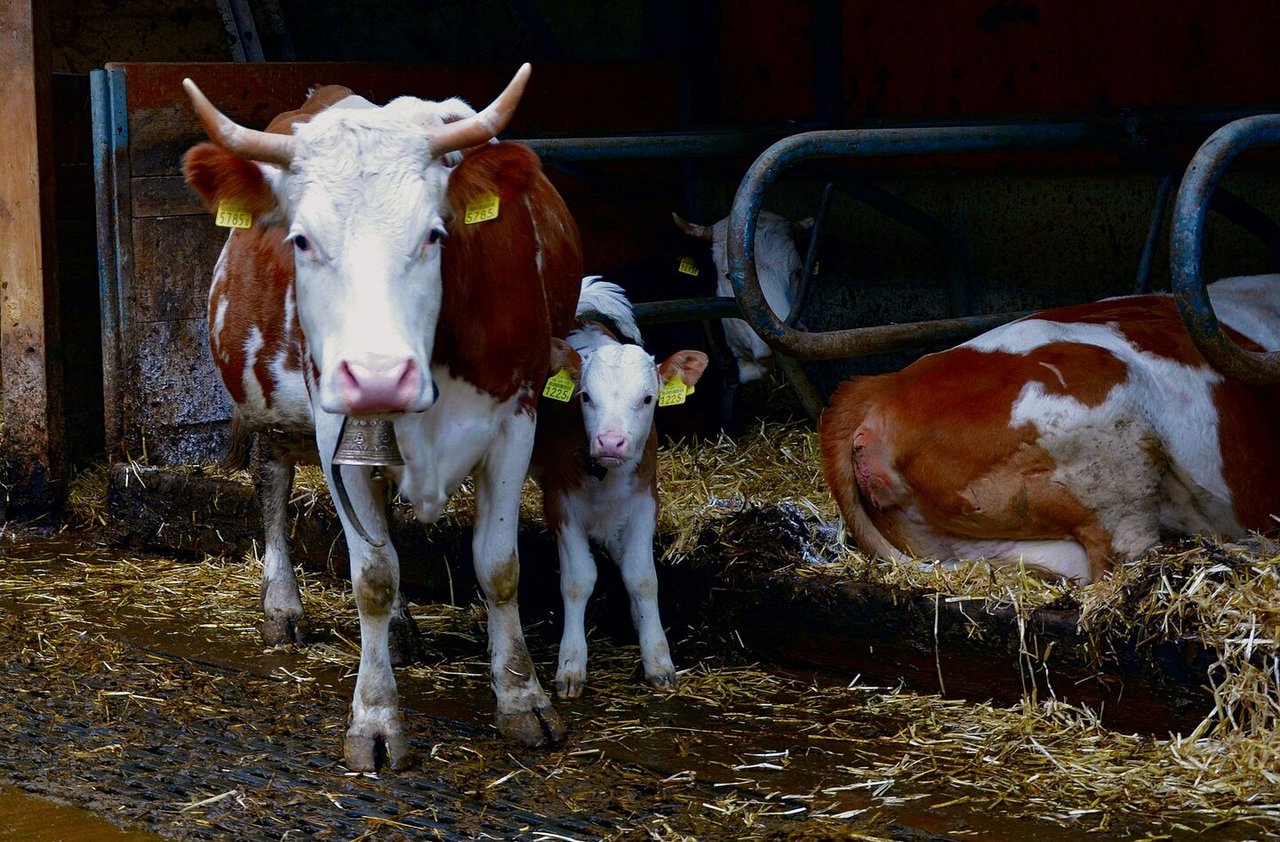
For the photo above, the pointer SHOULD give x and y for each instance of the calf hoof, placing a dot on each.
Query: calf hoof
(367, 750)
(533, 728)
(662, 679)
(283, 630)
(405, 642)
(569, 685)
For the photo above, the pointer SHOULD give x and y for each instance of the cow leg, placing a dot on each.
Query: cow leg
(635, 560)
(577, 581)
(282, 617)
(524, 713)
(376, 731)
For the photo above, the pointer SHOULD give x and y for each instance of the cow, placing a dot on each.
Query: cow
(1067, 441)
(362, 291)
(595, 458)
(779, 266)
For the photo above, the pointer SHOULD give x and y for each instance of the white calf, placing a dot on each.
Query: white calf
(596, 460)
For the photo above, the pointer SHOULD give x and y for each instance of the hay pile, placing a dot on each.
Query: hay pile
(1037, 759)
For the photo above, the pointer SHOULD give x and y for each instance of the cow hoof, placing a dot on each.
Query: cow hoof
(405, 641)
(368, 752)
(283, 630)
(533, 728)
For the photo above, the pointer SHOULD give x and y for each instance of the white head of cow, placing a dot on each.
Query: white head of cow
(362, 192)
(619, 387)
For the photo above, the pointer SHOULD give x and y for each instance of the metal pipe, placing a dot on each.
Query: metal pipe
(639, 147)
(811, 253)
(1187, 240)
(1164, 191)
(686, 310)
(866, 143)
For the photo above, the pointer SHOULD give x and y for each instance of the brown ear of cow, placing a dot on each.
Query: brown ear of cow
(687, 365)
(564, 357)
(221, 176)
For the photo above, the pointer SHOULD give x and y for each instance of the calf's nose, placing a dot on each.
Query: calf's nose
(611, 445)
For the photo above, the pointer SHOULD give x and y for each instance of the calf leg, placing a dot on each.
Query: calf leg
(635, 559)
(577, 581)
(524, 713)
(282, 617)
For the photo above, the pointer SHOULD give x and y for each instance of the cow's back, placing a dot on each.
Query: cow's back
(510, 283)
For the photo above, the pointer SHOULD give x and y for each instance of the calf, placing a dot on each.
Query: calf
(779, 267)
(1067, 441)
(596, 460)
(377, 280)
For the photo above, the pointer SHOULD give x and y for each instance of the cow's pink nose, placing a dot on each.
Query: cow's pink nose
(379, 384)
(612, 446)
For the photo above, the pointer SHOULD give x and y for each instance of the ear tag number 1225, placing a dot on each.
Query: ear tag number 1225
(674, 392)
(559, 387)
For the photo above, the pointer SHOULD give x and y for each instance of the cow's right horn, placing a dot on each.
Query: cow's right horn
(700, 232)
(267, 147)
(484, 126)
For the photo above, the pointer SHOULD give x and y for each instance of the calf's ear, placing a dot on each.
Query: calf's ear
(564, 357)
(687, 365)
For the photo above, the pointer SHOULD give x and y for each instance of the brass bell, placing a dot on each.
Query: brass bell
(369, 442)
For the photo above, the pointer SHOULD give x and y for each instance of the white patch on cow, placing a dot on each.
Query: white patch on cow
(619, 387)
(1251, 305)
(1061, 558)
(537, 235)
(778, 266)
(219, 323)
(1114, 455)
(254, 400)
(442, 446)
(597, 295)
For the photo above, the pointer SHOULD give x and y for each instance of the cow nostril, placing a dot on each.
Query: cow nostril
(435, 391)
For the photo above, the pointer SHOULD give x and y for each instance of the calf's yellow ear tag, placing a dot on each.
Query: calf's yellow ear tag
(482, 209)
(231, 215)
(674, 392)
(559, 386)
(688, 266)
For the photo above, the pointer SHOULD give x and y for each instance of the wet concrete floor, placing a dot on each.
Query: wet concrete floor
(147, 701)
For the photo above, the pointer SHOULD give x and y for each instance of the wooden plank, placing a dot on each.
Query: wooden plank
(173, 258)
(30, 405)
(165, 195)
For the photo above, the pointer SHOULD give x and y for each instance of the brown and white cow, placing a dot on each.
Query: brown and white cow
(1069, 440)
(596, 459)
(361, 291)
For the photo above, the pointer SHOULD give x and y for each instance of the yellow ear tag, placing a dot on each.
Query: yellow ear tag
(559, 386)
(674, 392)
(482, 209)
(233, 216)
(688, 266)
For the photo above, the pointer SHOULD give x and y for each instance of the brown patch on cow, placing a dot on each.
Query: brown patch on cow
(375, 585)
(319, 99)
(933, 443)
(218, 176)
(499, 311)
(504, 583)
(1248, 421)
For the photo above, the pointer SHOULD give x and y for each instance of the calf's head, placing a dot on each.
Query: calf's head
(359, 193)
(619, 388)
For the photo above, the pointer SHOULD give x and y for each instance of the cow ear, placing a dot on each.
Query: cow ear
(219, 176)
(564, 357)
(687, 365)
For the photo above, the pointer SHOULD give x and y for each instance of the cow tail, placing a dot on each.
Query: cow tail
(240, 447)
(846, 412)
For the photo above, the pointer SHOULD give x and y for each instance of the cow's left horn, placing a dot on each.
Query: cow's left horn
(484, 126)
(267, 147)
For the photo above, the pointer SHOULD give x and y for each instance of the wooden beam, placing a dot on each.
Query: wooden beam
(31, 429)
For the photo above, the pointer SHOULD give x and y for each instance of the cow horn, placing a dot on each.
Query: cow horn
(267, 147)
(700, 232)
(484, 126)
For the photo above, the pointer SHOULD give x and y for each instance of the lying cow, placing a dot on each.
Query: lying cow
(778, 265)
(1069, 440)
(596, 460)
(370, 285)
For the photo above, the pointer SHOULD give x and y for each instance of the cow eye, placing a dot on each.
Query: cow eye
(648, 399)
(301, 243)
(436, 234)
(585, 397)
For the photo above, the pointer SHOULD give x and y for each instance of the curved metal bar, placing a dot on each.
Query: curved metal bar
(1187, 237)
(865, 143)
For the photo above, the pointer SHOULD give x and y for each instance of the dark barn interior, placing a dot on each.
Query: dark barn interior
(1085, 117)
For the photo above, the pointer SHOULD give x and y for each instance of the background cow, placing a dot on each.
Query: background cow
(1067, 440)
(596, 460)
(363, 289)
